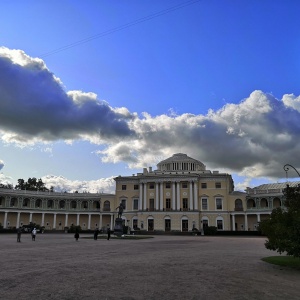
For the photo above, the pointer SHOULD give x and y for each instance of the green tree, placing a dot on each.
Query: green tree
(32, 184)
(283, 227)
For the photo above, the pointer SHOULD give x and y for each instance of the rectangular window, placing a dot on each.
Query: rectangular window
(135, 223)
(124, 187)
(151, 204)
(151, 186)
(184, 185)
(220, 224)
(218, 185)
(135, 204)
(185, 225)
(123, 203)
(167, 225)
(168, 204)
(203, 185)
(185, 204)
(205, 224)
(168, 185)
(204, 204)
(219, 203)
(136, 187)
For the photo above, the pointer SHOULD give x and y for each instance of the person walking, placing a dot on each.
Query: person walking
(108, 233)
(19, 231)
(96, 232)
(76, 235)
(33, 234)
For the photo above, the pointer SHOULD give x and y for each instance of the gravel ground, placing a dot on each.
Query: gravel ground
(55, 266)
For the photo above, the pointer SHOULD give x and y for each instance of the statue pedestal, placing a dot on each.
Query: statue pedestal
(118, 229)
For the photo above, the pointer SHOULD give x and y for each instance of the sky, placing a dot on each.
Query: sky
(90, 90)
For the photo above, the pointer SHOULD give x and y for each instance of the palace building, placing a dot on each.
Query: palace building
(180, 195)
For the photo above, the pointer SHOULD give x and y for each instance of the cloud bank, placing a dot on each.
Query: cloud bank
(253, 138)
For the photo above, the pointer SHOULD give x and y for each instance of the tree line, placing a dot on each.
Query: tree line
(32, 184)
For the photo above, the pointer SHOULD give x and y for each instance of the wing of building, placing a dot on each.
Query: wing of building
(180, 195)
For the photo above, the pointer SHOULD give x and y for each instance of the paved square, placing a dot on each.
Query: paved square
(55, 266)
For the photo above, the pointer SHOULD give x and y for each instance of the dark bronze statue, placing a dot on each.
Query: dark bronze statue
(120, 211)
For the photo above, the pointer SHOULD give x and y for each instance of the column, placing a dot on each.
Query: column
(100, 221)
(258, 218)
(54, 221)
(246, 223)
(89, 222)
(5, 220)
(145, 196)
(141, 197)
(173, 196)
(30, 218)
(77, 221)
(111, 221)
(191, 196)
(178, 195)
(66, 220)
(161, 196)
(18, 221)
(156, 196)
(196, 195)
(43, 219)
(233, 222)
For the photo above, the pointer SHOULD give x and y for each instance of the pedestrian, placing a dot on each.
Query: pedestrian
(19, 231)
(108, 233)
(96, 234)
(76, 235)
(33, 234)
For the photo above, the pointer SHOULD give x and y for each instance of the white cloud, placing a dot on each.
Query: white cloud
(253, 138)
(62, 184)
(1, 164)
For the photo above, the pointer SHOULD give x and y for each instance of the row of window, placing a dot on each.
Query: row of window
(184, 185)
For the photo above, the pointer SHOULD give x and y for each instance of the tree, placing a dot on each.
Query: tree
(6, 186)
(283, 227)
(32, 184)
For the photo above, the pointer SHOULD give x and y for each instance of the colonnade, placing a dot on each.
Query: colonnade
(175, 195)
(258, 219)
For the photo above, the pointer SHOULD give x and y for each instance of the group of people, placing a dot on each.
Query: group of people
(96, 232)
(19, 232)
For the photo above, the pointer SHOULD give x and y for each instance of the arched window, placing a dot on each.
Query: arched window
(62, 204)
(84, 204)
(106, 206)
(13, 202)
(50, 204)
(26, 202)
(38, 203)
(73, 204)
(238, 205)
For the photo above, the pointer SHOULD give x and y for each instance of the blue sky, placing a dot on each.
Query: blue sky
(90, 90)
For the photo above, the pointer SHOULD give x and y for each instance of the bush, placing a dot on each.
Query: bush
(74, 228)
(210, 230)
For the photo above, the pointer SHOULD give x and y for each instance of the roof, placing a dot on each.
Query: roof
(277, 185)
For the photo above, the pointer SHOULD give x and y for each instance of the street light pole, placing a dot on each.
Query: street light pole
(287, 167)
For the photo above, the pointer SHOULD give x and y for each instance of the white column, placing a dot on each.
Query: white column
(89, 222)
(100, 221)
(191, 196)
(161, 196)
(43, 219)
(111, 221)
(233, 222)
(173, 196)
(18, 221)
(5, 220)
(196, 195)
(141, 197)
(54, 221)
(258, 218)
(66, 220)
(156, 196)
(246, 223)
(30, 218)
(178, 195)
(77, 221)
(145, 196)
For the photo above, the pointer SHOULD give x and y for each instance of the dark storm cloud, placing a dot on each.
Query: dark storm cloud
(34, 105)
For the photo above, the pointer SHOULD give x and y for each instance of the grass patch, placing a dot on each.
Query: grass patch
(285, 261)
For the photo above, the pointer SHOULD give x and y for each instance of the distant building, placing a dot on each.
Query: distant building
(180, 195)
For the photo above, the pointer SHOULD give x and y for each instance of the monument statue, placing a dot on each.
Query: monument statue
(120, 211)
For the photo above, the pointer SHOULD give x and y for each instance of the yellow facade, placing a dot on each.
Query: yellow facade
(180, 195)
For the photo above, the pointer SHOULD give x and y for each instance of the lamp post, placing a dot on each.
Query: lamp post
(287, 167)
